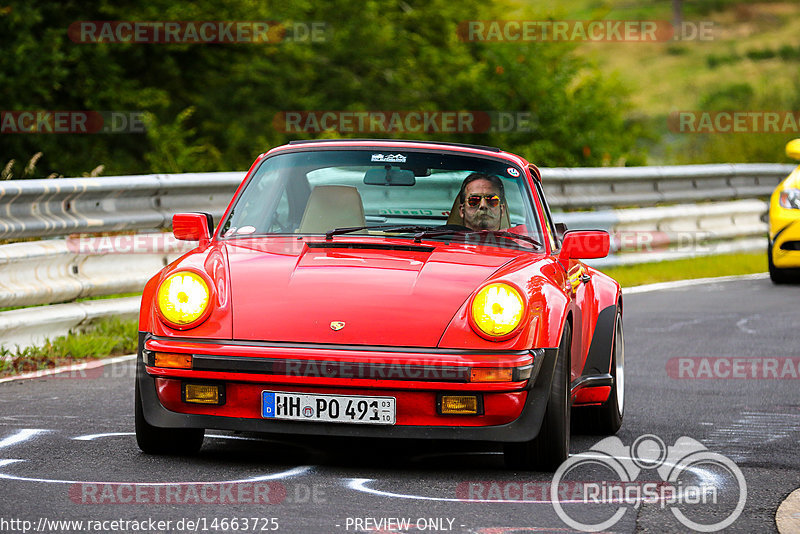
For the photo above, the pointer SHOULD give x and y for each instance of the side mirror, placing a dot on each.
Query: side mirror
(793, 149)
(561, 229)
(193, 227)
(584, 245)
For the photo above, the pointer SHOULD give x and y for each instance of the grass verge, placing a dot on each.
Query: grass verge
(113, 337)
(702, 267)
(108, 337)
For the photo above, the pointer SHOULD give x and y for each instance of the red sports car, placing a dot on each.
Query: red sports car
(383, 288)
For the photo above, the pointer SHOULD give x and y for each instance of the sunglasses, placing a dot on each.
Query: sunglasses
(492, 200)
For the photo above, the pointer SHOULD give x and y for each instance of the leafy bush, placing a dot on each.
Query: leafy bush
(211, 107)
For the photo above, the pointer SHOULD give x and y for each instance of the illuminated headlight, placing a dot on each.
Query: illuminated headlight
(790, 199)
(497, 310)
(183, 298)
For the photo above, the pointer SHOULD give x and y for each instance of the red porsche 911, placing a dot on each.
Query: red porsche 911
(382, 288)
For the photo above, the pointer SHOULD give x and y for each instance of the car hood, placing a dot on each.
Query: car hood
(359, 292)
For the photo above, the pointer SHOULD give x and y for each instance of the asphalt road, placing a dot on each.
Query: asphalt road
(67, 452)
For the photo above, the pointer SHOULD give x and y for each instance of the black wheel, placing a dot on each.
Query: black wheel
(551, 447)
(778, 275)
(154, 440)
(607, 418)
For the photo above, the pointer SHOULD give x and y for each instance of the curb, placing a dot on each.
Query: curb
(69, 368)
(677, 284)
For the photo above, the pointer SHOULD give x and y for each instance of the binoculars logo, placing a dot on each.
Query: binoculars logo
(697, 485)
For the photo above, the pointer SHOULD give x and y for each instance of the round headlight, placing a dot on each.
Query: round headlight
(183, 298)
(497, 309)
(790, 199)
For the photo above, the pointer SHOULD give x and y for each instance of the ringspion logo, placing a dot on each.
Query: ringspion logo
(704, 490)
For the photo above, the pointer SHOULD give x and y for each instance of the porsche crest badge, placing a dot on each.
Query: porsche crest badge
(337, 325)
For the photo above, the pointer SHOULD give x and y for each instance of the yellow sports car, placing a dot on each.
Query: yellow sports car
(783, 251)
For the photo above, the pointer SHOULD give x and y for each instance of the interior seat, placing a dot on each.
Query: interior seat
(332, 206)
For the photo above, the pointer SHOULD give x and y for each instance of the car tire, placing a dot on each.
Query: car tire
(606, 419)
(778, 275)
(551, 446)
(171, 441)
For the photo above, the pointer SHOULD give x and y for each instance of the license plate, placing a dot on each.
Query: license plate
(328, 408)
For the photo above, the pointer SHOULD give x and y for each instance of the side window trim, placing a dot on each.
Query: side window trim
(551, 228)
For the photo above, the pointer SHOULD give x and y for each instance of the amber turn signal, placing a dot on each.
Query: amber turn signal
(176, 361)
(491, 374)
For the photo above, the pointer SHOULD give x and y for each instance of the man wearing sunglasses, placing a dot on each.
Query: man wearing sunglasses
(482, 201)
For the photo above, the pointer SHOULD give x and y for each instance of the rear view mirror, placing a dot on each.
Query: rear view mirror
(585, 244)
(389, 176)
(192, 227)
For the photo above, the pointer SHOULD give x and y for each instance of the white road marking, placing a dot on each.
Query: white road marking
(300, 470)
(661, 286)
(360, 484)
(23, 435)
(741, 325)
(28, 433)
(742, 438)
(91, 437)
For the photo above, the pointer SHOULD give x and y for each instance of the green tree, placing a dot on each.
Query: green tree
(376, 55)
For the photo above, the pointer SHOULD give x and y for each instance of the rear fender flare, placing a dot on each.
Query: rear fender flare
(598, 359)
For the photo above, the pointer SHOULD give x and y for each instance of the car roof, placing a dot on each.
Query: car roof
(383, 144)
(395, 142)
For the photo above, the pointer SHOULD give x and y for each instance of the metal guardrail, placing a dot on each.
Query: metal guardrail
(618, 187)
(712, 210)
(42, 208)
(63, 270)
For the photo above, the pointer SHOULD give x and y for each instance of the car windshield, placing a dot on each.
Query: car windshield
(352, 191)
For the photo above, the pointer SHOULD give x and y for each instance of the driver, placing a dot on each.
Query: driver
(482, 201)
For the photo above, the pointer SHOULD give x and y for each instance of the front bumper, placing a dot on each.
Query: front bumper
(784, 232)
(513, 410)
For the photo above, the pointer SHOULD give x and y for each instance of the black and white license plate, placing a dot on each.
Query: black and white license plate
(328, 408)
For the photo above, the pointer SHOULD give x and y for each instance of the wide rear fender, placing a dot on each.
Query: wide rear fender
(608, 297)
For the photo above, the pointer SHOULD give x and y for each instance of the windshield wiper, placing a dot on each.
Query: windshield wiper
(385, 227)
(431, 231)
(498, 233)
(512, 235)
(436, 232)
